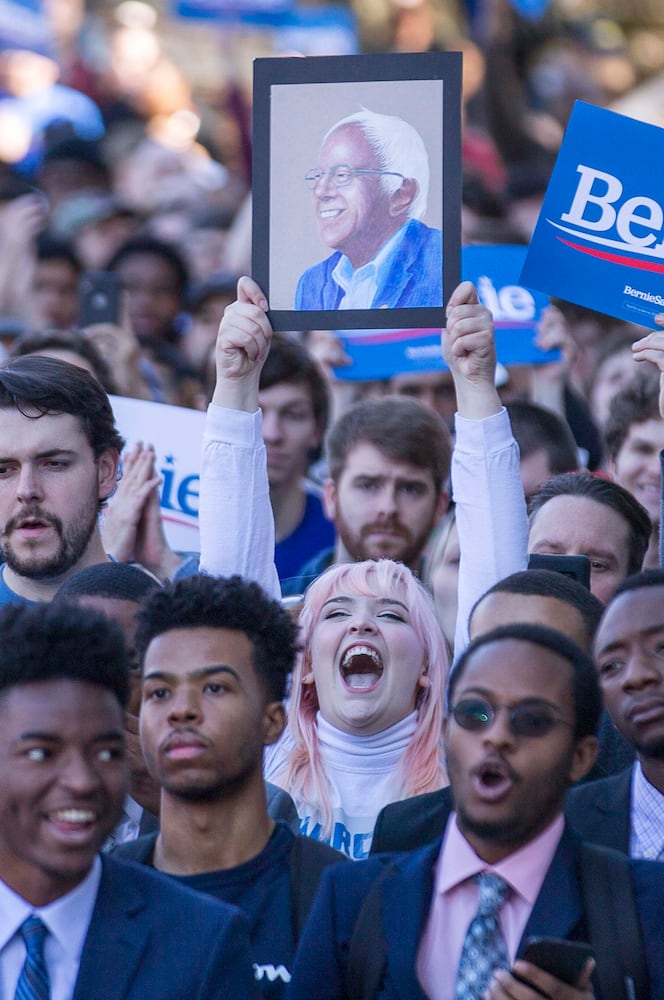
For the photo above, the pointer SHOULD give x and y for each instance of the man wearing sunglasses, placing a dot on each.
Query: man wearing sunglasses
(370, 191)
(523, 706)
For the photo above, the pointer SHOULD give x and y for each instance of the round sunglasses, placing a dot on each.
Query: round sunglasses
(529, 719)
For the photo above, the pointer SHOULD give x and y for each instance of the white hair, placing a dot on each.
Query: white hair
(398, 147)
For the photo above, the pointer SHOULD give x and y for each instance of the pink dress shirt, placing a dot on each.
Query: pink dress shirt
(455, 900)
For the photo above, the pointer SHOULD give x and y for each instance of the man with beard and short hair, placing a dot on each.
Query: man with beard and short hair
(59, 453)
(389, 461)
(523, 705)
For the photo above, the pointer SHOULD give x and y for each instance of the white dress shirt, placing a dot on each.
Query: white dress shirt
(362, 284)
(67, 920)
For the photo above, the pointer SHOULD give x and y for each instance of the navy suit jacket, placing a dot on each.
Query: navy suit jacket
(601, 810)
(320, 966)
(152, 938)
(415, 277)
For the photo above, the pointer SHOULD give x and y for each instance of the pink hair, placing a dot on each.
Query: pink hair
(421, 768)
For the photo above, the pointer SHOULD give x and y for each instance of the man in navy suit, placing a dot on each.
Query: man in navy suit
(537, 596)
(370, 191)
(626, 811)
(523, 706)
(76, 925)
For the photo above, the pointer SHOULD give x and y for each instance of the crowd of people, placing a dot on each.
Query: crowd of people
(396, 729)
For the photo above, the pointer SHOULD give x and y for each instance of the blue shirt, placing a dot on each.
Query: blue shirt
(261, 888)
(313, 533)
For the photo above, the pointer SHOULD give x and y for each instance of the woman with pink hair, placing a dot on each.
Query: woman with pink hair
(367, 697)
(366, 704)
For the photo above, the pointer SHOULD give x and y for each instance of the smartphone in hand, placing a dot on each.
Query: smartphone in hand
(100, 298)
(563, 959)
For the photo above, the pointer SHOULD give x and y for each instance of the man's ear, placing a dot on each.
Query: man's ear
(585, 752)
(107, 472)
(330, 499)
(403, 197)
(443, 504)
(274, 722)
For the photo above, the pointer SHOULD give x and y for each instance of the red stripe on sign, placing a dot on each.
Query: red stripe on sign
(614, 258)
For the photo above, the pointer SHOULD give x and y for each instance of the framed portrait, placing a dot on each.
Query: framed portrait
(357, 189)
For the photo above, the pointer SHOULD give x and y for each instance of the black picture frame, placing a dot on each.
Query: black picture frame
(296, 101)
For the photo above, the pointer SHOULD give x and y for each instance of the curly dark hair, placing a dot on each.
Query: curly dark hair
(122, 581)
(47, 642)
(226, 602)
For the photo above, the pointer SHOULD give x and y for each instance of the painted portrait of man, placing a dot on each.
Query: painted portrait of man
(369, 192)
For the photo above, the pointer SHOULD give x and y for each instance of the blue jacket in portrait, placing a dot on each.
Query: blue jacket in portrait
(320, 968)
(414, 278)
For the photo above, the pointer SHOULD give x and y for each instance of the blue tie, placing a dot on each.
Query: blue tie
(33, 983)
(484, 948)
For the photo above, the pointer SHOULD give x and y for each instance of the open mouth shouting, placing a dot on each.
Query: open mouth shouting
(361, 669)
(492, 779)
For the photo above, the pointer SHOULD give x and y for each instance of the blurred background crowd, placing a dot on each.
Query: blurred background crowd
(125, 144)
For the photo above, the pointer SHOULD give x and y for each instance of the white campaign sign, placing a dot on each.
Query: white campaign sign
(176, 435)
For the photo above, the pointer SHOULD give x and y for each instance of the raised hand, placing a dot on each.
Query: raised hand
(243, 343)
(469, 349)
(651, 348)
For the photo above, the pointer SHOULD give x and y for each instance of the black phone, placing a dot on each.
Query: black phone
(100, 295)
(563, 959)
(577, 567)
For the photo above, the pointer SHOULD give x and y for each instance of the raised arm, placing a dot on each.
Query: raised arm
(235, 516)
(486, 480)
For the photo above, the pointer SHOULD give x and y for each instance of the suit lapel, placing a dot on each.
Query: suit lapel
(614, 808)
(559, 906)
(603, 813)
(115, 940)
(406, 901)
(407, 896)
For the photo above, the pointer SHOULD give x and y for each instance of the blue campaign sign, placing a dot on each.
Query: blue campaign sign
(516, 309)
(599, 239)
(494, 270)
(230, 9)
(24, 25)
(379, 354)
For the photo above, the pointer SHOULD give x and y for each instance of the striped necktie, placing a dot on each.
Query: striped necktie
(33, 983)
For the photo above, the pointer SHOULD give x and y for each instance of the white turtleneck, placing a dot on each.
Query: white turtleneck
(361, 775)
